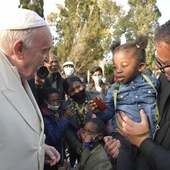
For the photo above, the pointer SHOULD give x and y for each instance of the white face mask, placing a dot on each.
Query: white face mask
(53, 108)
(97, 79)
(69, 71)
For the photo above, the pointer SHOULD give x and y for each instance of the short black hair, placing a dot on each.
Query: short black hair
(101, 127)
(48, 91)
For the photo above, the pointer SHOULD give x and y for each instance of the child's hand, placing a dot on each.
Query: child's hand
(111, 146)
(70, 112)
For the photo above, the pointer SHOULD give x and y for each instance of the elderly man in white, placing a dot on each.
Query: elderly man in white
(25, 41)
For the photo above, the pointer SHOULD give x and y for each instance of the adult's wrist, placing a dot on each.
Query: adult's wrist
(140, 140)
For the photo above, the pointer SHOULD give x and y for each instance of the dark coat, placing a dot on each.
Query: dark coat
(71, 133)
(55, 80)
(55, 131)
(158, 153)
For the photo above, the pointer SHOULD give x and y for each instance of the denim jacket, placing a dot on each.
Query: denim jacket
(132, 97)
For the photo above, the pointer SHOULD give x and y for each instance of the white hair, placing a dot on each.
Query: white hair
(9, 37)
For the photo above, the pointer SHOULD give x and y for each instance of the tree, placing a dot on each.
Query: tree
(142, 18)
(84, 30)
(35, 5)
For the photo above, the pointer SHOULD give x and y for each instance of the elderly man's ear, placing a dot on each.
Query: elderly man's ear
(18, 49)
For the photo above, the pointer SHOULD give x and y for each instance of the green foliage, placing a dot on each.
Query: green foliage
(86, 28)
(83, 31)
(142, 18)
(108, 69)
(35, 5)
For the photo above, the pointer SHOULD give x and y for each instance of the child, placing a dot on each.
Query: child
(94, 156)
(55, 123)
(132, 92)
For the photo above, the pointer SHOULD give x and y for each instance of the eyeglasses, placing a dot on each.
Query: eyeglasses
(160, 66)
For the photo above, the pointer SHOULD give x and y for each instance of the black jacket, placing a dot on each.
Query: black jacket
(55, 80)
(158, 152)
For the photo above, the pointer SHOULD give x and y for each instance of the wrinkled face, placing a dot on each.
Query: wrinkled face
(163, 58)
(126, 67)
(54, 99)
(34, 57)
(76, 87)
(53, 64)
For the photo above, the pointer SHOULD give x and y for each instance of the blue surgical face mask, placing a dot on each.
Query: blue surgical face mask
(68, 71)
(97, 79)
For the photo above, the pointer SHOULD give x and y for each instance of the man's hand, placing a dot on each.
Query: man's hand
(52, 156)
(131, 129)
(111, 146)
(38, 82)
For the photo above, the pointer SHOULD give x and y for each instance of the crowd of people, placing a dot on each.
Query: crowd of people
(60, 123)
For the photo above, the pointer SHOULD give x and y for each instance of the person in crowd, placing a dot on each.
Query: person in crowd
(97, 82)
(132, 92)
(78, 98)
(68, 68)
(157, 150)
(25, 41)
(36, 84)
(94, 155)
(54, 78)
(56, 123)
(50, 77)
(98, 85)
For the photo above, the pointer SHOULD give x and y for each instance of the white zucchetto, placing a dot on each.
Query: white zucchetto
(19, 19)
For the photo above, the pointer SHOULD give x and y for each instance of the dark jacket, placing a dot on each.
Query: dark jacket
(37, 92)
(51, 81)
(71, 133)
(55, 129)
(55, 80)
(158, 153)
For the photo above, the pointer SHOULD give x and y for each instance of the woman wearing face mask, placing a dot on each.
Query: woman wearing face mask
(56, 123)
(97, 83)
(94, 156)
(77, 98)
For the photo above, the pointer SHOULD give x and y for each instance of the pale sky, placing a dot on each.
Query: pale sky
(49, 5)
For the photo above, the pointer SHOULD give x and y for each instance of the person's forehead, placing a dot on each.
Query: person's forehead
(54, 95)
(90, 126)
(76, 83)
(163, 51)
(97, 72)
(53, 58)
